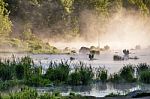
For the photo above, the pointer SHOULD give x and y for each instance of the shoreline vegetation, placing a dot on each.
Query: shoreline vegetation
(33, 45)
(24, 72)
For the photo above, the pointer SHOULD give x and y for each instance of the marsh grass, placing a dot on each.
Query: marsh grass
(145, 76)
(58, 72)
(28, 93)
(81, 76)
(23, 71)
(142, 67)
(126, 74)
(102, 74)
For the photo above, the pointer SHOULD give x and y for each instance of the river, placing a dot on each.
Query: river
(105, 59)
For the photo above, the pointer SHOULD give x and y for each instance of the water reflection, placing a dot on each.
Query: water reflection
(97, 89)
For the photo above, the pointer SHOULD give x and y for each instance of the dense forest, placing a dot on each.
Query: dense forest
(25, 23)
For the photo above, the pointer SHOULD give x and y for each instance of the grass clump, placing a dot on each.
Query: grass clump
(58, 72)
(28, 93)
(145, 77)
(127, 73)
(102, 74)
(82, 75)
(142, 67)
(115, 78)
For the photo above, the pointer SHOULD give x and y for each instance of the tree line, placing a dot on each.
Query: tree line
(23, 22)
(47, 13)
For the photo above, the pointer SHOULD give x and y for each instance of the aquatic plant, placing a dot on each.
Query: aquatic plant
(45, 96)
(127, 73)
(115, 78)
(25, 93)
(145, 76)
(24, 71)
(102, 74)
(74, 78)
(29, 93)
(19, 71)
(5, 85)
(58, 72)
(82, 75)
(142, 67)
(6, 70)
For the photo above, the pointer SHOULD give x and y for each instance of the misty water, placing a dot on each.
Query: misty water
(105, 59)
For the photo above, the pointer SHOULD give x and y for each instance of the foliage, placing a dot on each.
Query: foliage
(15, 42)
(102, 74)
(82, 75)
(115, 78)
(127, 72)
(74, 78)
(5, 23)
(142, 67)
(6, 72)
(45, 96)
(5, 85)
(31, 18)
(145, 76)
(45, 14)
(24, 71)
(67, 5)
(19, 70)
(86, 74)
(26, 93)
(58, 72)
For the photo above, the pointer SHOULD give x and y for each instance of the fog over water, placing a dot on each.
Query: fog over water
(123, 29)
(105, 59)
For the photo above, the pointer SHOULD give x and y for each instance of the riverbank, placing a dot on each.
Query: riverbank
(29, 93)
(148, 97)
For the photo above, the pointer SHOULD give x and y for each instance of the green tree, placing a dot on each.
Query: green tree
(5, 23)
